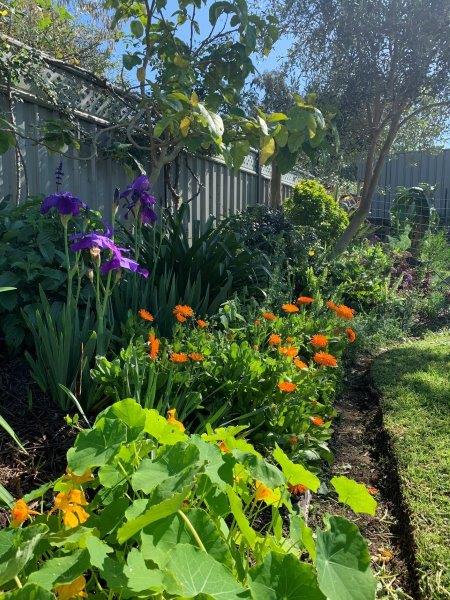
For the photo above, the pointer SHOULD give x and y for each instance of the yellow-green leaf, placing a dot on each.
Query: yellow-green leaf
(354, 494)
(296, 474)
(267, 149)
(184, 126)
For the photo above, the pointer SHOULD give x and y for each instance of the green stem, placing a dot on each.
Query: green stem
(192, 530)
(18, 582)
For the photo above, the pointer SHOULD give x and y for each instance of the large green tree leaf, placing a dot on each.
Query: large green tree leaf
(354, 494)
(343, 562)
(283, 576)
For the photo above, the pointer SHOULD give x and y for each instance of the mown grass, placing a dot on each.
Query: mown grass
(414, 381)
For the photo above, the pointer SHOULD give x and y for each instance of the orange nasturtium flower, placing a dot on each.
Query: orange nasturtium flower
(269, 316)
(71, 505)
(20, 512)
(345, 312)
(288, 351)
(274, 339)
(182, 312)
(317, 421)
(75, 589)
(262, 492)
(305, 300)
(297, 489)
(179, 357)
(290, 308)
(300, 364)
(153, 344)
(202, 324)
(319, 340)
(196, 356)
(223, 447)
(351, 335)
(287, 386)
(171, 418)
(146, 315)
(325, 359)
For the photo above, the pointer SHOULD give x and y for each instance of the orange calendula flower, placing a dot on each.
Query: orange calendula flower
(75, 589)
(146, 315)
(223, 447)
(171, 418)
(319, 340)
(305, 300)
(351, 335)
(202, 324)
(182, 312)
(274, 339)
(297, 489)
(179, 357)
(287, 386)
(331, 305)
(325, 359)
(300, 364)
(293, 440)
(196, 356)
(288, 351)
(344, 312)
(153, 343)
(264, 493)
(71, 505)
(79, 479)
(290, 308)
(373, 491)
(317, 421)
(20, 512)
(269, 316)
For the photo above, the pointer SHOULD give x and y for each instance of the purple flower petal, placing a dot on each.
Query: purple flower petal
(65, 202)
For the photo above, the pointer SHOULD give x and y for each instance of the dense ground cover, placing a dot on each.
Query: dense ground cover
(414, 383)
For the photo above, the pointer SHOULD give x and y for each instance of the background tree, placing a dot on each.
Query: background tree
(378, 66)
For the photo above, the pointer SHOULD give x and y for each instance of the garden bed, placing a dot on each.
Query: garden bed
(415, 395)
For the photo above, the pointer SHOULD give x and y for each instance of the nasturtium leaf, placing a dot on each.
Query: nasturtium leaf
(354, 494)
(302, 535)
(149, 474)
(62, 569)
(159, 428)
(196, 572)
(160, 538)
(95, 447)
(113, 572)
(140, 577)
(21, 551)
(30, 591)
(295, 474)
(6, 542)
(247, 531)
(110, 476)
(110, 517)
(217, 466)
(343, 562)
(71, 539)
(162, 509)
(132, 415)
(284, 576)
(260, 469)
(267, 149)
(98, 551)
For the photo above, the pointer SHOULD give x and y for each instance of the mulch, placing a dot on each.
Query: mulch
(362, 452)
(38, 424)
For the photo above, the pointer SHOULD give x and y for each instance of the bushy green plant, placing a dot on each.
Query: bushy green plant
(146, 510)
(310, 205)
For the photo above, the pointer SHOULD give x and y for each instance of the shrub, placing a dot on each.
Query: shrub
(310, 205)
(146, 510)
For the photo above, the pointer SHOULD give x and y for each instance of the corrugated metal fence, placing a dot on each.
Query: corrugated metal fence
(222, 191)
(410, 169)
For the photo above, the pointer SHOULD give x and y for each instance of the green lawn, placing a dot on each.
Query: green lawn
(414, 381)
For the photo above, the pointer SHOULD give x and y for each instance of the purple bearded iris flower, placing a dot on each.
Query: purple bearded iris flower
(95, 239)
(138, 198)
(64, 202)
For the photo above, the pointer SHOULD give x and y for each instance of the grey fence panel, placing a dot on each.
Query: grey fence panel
(410, 169)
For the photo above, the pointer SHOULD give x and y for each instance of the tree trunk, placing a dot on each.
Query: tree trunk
(371, 176)
(275, 186)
